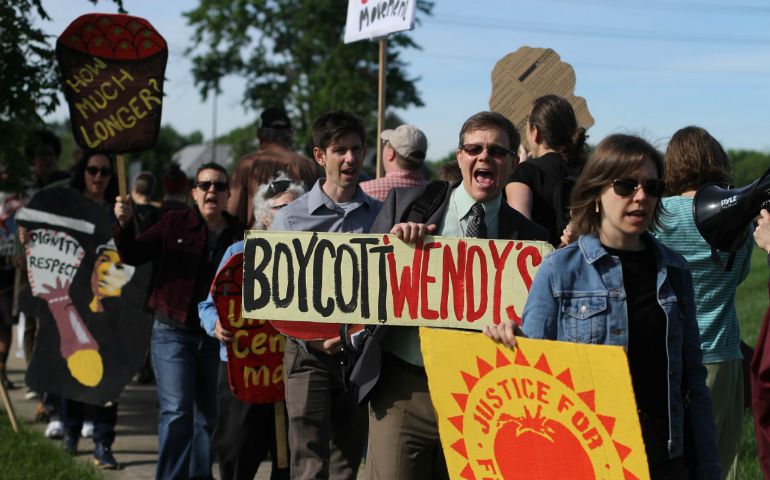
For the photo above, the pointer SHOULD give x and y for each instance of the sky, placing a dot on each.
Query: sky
(645, 67)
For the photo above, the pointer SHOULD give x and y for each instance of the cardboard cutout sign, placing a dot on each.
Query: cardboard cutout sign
(378, 18)
(93, 334)
(255, 358)
(522, 76)
(336, 278)
(113, 68)
(546, 410)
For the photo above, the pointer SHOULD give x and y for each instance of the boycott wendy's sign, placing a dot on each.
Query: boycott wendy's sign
(255, 358)
(372, 278)
(93, 334)
(112, 68)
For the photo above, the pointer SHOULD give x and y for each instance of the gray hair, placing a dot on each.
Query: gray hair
(261, 204)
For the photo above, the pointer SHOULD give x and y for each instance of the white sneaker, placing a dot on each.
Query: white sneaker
(54, 429)
(30, 395)
(88, 429)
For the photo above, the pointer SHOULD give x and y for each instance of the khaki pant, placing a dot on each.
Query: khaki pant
(725, 382)
(403, 434)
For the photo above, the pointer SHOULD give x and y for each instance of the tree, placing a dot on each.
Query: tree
(748, 165)
(29, 81)
(291, 54)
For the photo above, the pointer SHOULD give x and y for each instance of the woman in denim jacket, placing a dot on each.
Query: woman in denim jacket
(618, 286)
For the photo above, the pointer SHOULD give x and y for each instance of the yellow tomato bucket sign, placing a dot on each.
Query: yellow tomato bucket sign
(545, 410)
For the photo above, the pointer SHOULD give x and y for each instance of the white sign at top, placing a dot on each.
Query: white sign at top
(378, 18)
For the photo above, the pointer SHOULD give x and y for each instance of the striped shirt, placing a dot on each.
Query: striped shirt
(714, 288)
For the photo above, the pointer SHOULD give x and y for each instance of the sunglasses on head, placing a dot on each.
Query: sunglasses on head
(105, 171)
(206, 185)
(627, 186)
(495, 151)
(277, 187)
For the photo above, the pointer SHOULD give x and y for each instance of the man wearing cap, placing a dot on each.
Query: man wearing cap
(402, 158)
(274, 135)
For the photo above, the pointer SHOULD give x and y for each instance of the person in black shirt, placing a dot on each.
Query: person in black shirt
(540, 187)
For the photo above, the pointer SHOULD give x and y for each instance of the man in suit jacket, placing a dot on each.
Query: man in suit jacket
(403, 433)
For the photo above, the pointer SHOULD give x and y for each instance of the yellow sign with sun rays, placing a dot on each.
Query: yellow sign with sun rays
(542, 411)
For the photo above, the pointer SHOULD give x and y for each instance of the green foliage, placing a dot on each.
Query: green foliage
(29, 455)
(291, 54)
(157, 159)
(748, 165)
(29, 82)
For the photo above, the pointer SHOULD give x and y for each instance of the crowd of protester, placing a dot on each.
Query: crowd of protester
(626, 245)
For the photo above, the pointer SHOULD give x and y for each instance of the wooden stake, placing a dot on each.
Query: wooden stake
(121, 177)
(16, 288)
(381, 101)
(9, 407)
(280, 436)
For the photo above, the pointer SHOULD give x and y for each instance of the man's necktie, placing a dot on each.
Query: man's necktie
(477, 227)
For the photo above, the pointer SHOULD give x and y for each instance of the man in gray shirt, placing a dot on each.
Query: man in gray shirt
(327, 428)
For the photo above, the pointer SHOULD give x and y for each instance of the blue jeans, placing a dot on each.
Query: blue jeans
(185, 366)
(73, 413)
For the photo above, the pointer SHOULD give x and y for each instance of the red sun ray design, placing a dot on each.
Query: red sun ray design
(521, 359)
(565, 377)
(608, 422)
(629, 476)
(459, 447)
(623, 451)
(461, 399)
(467, 473)
(470, 380)
(483, 366)
(457, 422)
(542, 365)
(589, 397)
(500, 359)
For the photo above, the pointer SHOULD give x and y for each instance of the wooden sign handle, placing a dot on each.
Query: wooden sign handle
(9, 407)
(122, 176)
(280, 435)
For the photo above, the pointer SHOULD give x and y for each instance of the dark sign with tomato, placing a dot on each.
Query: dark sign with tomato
(255, 358)
(112, 68)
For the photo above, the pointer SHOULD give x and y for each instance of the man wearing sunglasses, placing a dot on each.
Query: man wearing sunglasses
(186, 246)
(402, 158)
(403, 434)
(327, 428)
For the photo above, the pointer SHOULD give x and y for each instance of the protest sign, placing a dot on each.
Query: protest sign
(93, 334)
(542, 411)
(378, 18)
(528, 73)
(113, 68)
(336, 278)
(255, 358)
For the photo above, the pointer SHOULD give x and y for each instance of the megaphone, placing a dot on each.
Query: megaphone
(722, 214)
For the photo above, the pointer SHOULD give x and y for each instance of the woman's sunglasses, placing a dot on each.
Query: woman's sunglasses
(277, 187)
(627, 186)
(105, 171)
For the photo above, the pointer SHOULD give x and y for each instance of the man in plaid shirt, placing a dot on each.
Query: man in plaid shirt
(403, 156)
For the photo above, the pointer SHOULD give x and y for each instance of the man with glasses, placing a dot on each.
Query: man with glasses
(187, 246)
(327, 428)
(402, 158)
(403, 434)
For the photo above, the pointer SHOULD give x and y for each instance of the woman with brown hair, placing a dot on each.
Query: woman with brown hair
(540, 187)
(617, 285)
(693, 159)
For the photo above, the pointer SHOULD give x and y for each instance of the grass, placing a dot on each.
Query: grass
(752, 302)
(28, 455)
